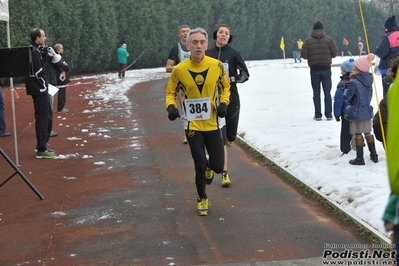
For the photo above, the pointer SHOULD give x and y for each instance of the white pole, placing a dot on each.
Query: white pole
(14, 121)
(284, 57)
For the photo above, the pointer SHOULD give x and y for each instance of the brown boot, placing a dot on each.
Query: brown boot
(359, 160)
(371, 146)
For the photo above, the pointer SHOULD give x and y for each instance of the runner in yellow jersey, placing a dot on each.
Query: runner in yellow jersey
(206, 96)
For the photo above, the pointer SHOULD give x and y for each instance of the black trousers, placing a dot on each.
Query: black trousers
(232, 117)
(346, 137)
(211, 141)
(385, 86)
(43, 120)
(61, 99)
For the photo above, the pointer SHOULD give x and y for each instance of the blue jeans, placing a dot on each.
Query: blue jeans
(322, 77)
(296, 56)
(2, 111)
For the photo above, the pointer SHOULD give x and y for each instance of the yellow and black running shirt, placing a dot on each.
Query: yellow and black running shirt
(204, 85)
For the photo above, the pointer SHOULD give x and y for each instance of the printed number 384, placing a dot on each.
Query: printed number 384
(198, 108)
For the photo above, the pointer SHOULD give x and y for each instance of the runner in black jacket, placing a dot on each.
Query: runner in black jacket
(238, 73)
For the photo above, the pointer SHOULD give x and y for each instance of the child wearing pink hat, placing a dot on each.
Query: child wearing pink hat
(359, 112)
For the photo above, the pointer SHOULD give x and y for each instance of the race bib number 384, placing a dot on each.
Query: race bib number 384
(198, 109)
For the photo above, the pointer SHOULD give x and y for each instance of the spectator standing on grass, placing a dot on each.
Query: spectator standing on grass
(319, 50)
(359, 112)
(62, 79)
(295, 51)
(122, 60)
(345, 47)
(300, 44)
(383, 109)
(388, 49)
(340, 106)
(360, 45)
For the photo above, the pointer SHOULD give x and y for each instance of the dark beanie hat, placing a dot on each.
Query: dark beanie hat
(318, 25)
(390, 22)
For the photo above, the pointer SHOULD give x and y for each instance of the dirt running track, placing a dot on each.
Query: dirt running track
(123, 194)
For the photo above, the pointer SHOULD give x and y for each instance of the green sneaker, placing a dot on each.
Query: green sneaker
(45, 155)
(203, 206)
(225, 179)
(49, 150)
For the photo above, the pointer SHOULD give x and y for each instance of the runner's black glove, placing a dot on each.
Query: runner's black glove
(173, 112)
(222, 110)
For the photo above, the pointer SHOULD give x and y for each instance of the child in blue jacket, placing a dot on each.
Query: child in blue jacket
(340, 105)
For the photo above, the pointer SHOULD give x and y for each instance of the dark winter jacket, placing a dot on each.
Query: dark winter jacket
(388, 48)
(238, 71)
(319, 50)
(339, 103)
(376, 120)
(358, 95)
(295, 46)
(37, 84)
(51, 70)
(63, 73)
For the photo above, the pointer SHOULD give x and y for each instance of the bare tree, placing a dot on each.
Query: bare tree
(388, 6)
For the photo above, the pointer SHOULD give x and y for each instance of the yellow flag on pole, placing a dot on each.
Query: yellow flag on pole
(282, 46)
